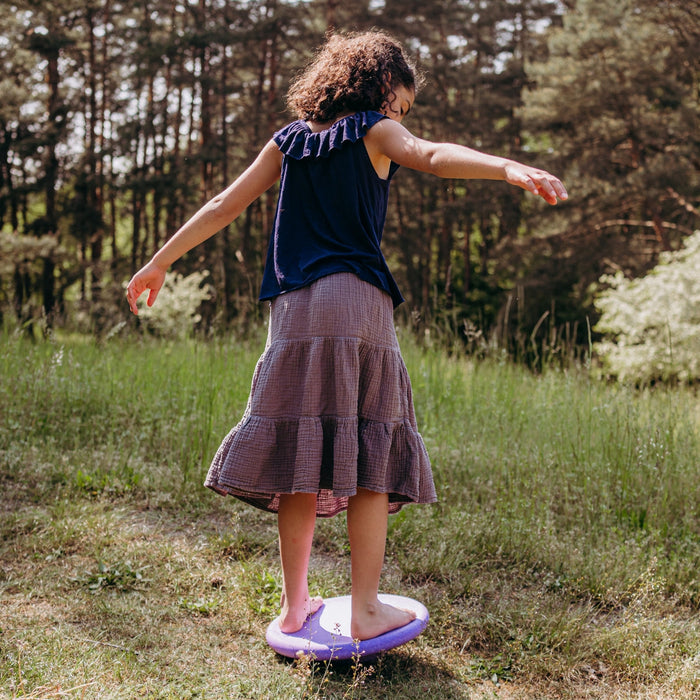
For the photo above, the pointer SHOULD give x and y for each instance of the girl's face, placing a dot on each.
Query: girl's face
(402, 99)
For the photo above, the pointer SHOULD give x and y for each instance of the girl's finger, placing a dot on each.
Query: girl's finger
(555, 187)
(530, 185)
(132, 304)
(561, 190)
(544, 189)
(552, 189)
(132, 296)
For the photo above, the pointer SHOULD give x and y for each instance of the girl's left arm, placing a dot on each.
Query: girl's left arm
(450, 160)
(217, 213)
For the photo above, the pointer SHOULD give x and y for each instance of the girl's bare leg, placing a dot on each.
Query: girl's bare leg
(296, 521)
(368, 513)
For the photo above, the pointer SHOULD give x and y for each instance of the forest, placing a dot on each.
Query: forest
(120, 118)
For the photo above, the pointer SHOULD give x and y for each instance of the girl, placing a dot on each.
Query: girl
(330, 424)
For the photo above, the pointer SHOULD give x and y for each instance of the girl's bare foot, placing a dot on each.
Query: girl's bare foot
(292, 619)
(373, 619)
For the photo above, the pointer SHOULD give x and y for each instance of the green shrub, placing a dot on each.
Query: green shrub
(176, 312)
(652, 324)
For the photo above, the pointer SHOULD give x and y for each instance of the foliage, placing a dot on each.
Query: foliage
(152, 110)
(652, 324)
(120, 119)
(22, 253)
(179, 303)
(614, 110)
(122, 577)
(23, 263)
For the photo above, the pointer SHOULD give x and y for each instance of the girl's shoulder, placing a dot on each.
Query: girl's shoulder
(298, 140)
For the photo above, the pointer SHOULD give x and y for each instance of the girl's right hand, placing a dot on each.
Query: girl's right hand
(150, 277)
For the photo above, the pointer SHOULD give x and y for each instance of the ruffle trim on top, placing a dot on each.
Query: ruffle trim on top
(297, 141)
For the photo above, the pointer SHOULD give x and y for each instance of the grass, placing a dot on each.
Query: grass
(560, 562)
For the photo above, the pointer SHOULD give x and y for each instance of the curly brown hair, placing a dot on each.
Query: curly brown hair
(351, 73)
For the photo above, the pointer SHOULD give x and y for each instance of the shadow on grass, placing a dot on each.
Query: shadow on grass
(406, 673)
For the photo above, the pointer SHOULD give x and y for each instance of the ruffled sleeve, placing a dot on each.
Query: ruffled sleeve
(297, 141)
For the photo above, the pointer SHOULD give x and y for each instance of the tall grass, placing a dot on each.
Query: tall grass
(563, 552)
(143, 414)
(597, 481)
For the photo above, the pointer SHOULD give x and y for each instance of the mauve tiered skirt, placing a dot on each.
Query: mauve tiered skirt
(330, 408)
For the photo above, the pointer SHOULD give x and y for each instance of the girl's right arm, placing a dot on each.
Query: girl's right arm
(389, 139)
(216, 214)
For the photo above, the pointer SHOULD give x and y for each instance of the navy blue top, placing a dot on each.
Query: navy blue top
(331, 208)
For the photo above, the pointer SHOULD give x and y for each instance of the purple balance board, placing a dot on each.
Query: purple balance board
(326, 633)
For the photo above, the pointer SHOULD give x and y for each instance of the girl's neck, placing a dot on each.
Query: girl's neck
(322, 126)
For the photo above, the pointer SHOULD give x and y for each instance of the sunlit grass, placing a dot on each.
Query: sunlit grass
(597, 481)
(130, 416)
(563, 552)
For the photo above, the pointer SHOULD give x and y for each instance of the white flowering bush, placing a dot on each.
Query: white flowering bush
(176, 311)
(651, 325)
(21, 251)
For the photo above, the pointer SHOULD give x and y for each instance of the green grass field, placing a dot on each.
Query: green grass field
(561, 561)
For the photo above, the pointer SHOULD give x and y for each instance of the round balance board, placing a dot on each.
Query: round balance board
(326, 633)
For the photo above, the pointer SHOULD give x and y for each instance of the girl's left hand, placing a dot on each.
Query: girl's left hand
(537, 181)
(150, 277)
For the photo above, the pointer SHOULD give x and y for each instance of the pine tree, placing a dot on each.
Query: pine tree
(614, 109)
